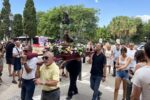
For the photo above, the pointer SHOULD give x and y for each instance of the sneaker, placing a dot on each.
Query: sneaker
(69, 98)
(100, 93)
(75, 93)
(98, 98)
(14, 81)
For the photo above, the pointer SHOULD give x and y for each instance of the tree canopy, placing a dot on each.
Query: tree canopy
(83, 21)
(29, 19)
(17, 25)
(5, 20)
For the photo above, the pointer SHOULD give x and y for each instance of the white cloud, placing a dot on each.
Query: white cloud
(96, 1)
(145, 18)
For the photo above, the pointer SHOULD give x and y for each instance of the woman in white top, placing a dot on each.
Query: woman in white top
(109, 55)
(122, 73)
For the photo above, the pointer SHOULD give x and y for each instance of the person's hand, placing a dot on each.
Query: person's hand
(103, 79)
(38, 81)
(118, 69)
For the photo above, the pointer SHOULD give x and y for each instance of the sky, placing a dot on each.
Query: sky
(108, 8)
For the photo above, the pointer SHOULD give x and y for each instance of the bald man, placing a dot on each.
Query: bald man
(48, 76)
(17, 52)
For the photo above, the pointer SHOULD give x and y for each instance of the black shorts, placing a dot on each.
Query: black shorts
(17, 64)
(9, 60)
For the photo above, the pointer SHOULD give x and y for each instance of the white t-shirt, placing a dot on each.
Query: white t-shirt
(131, 53)
(16, 51)
(141, 79)
(32, 63)
(116, 53)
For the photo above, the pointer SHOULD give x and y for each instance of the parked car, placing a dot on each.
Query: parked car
(140, 47)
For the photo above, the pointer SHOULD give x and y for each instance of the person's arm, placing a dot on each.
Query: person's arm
(90, 59)
(37, 74)
(126, 64)
(27, 68)
(105, 67)
(53, 82)
(38, 81)
(104, 71)
(136, 91)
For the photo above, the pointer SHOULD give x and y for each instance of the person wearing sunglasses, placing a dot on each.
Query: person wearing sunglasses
(48, 76)
(28, 76)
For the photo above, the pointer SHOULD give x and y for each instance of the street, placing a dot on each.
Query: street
(9, 91)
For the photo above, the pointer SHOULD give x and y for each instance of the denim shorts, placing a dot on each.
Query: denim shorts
(17, 64)
(122, 74)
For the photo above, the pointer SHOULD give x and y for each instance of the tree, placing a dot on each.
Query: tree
(5, 13)
(103, 33)
(146, 30)
(139, 35)
(1, 28)
(29, 19)
(122, 27)
(82, 21)
(17, 25)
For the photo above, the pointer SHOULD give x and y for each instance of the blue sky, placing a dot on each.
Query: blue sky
(109, 8)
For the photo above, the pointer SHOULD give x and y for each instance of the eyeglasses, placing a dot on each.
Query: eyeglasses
(45, 58)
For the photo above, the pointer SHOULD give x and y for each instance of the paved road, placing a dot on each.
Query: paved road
(9, 91)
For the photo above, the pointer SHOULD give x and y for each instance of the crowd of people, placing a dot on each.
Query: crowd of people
(127, 64)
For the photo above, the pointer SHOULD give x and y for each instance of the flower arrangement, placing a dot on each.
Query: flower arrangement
(67, 51)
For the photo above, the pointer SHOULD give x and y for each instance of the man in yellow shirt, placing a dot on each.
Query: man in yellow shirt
(48, 76)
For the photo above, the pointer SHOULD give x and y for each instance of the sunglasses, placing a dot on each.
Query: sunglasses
(45, 58)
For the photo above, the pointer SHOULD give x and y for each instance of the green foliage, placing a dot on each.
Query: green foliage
(83, 21)
(146, 30)
(138, 36)
(1, 29)
(122, 27)
(17, 25)
(103, 33)
(29, 19)
(5, 18)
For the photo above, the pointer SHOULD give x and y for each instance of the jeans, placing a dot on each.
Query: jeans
(129, 90)
(27, 89)
(51, 95)
(94, 84)
(114, 69)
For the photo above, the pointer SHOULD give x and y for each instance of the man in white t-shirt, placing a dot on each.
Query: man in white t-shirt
(141, 79)
(29, 70)
(130, 53)
(17, 52)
